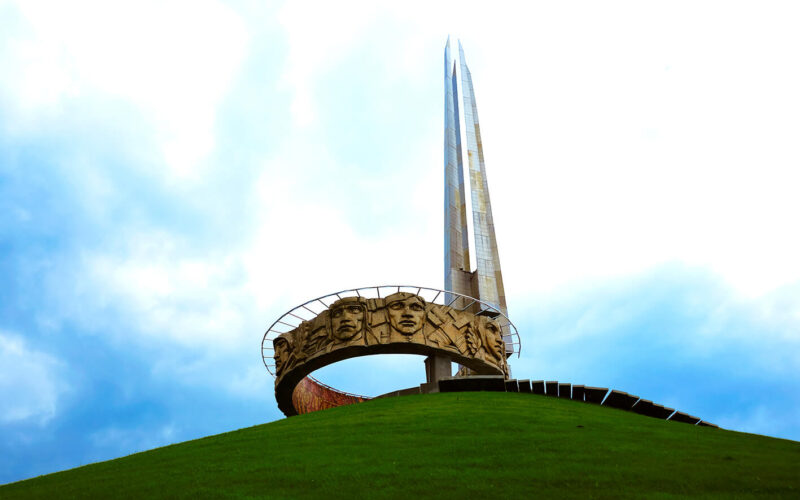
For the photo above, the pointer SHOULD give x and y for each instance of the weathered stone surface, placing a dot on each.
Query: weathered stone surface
(565, 391)
(437, 368)
(524, 385)
(512, 386)
(621, 400)
(410, 391)
(577, 393)
(551, 388)
(429, 387)
(594, 394)
(537, 386)
(401, 323)
(679, 416)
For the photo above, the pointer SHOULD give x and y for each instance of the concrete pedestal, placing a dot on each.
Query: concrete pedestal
(436, 368)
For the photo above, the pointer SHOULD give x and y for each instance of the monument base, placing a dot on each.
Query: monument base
(436, 369)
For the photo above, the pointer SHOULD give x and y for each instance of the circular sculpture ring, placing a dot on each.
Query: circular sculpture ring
(362, 322)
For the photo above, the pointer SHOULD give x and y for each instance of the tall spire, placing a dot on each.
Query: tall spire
(456, 238)
(489, 277)
(486, 282)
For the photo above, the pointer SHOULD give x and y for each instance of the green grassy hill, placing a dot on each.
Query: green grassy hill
(454, 445)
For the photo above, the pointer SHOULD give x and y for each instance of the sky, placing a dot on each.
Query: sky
(176, 175)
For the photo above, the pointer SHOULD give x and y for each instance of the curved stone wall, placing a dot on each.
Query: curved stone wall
(401, 323)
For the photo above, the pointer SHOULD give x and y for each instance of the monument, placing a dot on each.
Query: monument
(466, 321)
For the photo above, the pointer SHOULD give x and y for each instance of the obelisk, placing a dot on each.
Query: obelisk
(486, 282)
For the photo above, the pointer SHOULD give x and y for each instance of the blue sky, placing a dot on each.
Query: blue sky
(174, 176)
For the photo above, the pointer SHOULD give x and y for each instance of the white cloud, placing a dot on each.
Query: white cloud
(167, 291)
(172, 61)
(305, 245)
(648, 140)
(616, 137)
(300, 245)
(318, 35)
(30, 382)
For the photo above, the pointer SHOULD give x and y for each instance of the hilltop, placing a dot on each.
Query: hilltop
(453, 445)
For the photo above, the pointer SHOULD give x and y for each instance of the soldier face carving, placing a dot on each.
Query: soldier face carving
(406, 312)
(347, 318)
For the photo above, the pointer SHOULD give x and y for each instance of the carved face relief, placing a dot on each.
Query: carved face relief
(281, 353)
(347, 318)
(493, 338)
(406, 312)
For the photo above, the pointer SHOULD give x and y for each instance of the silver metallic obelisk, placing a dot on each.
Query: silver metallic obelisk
(488, 275)
(486, 282)
(457, 277)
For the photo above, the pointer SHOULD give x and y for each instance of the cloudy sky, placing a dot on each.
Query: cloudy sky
(176, 175)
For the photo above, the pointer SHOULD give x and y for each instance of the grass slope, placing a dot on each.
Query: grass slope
(455, 445)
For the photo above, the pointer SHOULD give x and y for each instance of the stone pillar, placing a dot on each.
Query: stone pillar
(436, 368)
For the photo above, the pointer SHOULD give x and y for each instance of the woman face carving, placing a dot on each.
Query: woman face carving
(494, 338)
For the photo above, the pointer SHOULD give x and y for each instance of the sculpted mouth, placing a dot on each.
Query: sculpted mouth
(408, 323)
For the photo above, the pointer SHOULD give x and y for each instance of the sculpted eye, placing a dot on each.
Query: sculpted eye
(354, 309)
(337, 312)
(395, 306)
(416, 307)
